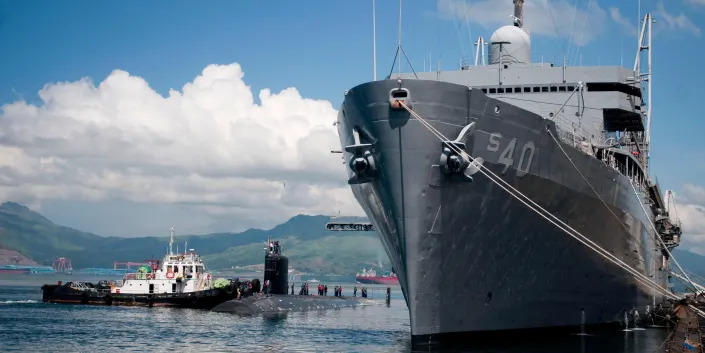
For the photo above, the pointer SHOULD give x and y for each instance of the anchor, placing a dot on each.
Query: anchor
(362, 162)
(452, 162)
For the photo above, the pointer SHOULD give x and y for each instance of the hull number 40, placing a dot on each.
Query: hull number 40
(507, 156)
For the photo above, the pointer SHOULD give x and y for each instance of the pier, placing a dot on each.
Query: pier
(687, 333)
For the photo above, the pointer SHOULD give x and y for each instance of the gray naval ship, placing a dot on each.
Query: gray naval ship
(472, 259)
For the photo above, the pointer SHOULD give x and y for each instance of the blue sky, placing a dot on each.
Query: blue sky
(321, 48)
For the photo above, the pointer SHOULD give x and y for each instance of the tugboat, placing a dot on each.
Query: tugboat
(178, 280)
(370, 277)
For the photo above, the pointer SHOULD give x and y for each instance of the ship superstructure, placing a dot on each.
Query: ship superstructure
(472, 258)
(176, 273)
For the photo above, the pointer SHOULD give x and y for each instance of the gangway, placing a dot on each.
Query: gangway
(340, 224)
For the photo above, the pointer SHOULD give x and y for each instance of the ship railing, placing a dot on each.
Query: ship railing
(139, 276)
(573, 138)
(352, 226)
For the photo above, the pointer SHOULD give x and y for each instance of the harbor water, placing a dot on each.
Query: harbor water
(27, 324)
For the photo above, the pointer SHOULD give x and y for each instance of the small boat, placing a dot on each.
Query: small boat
(178, 280)
(370, 277)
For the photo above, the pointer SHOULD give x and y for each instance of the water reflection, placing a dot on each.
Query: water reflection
(643, 341)
(26, 324)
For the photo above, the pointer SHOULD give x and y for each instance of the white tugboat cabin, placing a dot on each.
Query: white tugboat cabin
(177, 273)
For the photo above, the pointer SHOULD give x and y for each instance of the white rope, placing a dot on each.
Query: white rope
(697, 311)
(662, 243)
(624, 226)
(655, 237)
(586, 181)
(641, 278)
(682, 279)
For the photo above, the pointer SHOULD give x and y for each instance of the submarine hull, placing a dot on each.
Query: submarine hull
(259, 304)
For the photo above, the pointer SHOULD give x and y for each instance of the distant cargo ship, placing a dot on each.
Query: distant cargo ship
(370, 277)
(25, 269)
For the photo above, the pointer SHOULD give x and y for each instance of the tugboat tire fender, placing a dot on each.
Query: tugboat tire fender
(108, 300)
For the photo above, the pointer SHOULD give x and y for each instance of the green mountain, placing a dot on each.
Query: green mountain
(309, 246)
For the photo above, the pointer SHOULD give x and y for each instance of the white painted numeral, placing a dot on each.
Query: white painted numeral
(523, 171)
(506, 157)
(494, 142)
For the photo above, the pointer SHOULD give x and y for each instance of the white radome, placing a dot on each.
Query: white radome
(517, 51)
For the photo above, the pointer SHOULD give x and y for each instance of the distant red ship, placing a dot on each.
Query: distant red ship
(370, 277)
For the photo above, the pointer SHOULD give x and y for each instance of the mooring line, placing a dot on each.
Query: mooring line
(639, 277)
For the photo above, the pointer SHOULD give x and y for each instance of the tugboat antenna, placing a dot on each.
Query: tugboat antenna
(171, 241)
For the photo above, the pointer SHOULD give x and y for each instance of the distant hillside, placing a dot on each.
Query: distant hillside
(12, 257)
(330, 254)
(309, 245)
(691, 262)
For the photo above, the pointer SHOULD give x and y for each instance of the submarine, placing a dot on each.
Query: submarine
(274, 297)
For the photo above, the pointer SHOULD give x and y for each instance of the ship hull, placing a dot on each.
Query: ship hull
(14, 271)
(205, 299)
(469, 257)
(377, 280)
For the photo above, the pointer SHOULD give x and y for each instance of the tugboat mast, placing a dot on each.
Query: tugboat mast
(171, 241)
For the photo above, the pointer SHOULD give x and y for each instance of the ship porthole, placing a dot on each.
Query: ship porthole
(496, 109)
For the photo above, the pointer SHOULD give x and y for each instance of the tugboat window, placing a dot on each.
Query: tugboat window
(493, 90)
(536, 89)
(527, 89)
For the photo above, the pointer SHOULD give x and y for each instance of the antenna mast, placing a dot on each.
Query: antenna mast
(641, 77)
(519, 13)
(480, 51)
(374, 43)
(400, 49)
(171, 241)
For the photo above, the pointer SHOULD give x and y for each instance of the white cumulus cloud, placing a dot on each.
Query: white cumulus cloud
(554, 18)
(696, 2)
(673, 22)
(210, 144)
(628, 26)
(690, 208)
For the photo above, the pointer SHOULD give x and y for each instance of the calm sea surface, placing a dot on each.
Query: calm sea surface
(27, 324)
